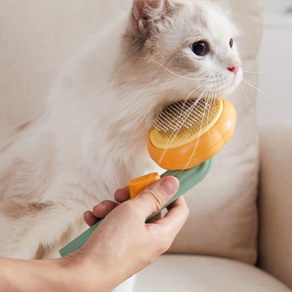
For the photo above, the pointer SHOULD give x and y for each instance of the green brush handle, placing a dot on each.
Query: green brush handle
(187, 180)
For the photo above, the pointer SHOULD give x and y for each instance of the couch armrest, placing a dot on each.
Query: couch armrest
(275, 202)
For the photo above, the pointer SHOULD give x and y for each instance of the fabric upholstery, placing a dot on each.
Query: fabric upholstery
(38, 36)
(275, 202)
(173, 273)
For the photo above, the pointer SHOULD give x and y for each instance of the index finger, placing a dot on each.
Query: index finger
(122, 195)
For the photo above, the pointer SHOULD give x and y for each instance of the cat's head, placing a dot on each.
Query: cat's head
(187, 47)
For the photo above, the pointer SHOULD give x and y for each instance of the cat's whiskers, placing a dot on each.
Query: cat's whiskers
(200, 130)
(263, 72)
(251, 39)
(190, 94)
(185, 114)
(181, 120)
(208, 97)
(244, 92)
(280, 103)
(213, 97)
(195, 194)
(218, 83)
(254, 83)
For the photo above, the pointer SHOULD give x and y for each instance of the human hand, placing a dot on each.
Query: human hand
(123, 244)
(105, 207)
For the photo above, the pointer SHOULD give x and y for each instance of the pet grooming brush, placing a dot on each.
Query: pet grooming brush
(185, 137)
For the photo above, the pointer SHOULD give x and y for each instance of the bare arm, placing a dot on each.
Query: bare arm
(122, 245)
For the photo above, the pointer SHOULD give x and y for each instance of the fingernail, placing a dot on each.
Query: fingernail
(169, 185)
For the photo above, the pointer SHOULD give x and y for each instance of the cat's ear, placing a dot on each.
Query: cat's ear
(144, 12)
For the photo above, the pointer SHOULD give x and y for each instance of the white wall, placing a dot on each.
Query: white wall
(275, 64)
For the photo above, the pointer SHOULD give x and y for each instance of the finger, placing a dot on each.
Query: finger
(181, 200)
(174, 219)
(155, 218)
(102, 209)
(155, 196)
(89, 218)
(122, 195)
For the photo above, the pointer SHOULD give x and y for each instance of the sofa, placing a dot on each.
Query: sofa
(238, 236)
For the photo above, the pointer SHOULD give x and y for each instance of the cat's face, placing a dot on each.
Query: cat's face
(187, 47)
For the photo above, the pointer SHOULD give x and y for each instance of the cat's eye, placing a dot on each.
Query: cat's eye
(199, 48)
(231, 43)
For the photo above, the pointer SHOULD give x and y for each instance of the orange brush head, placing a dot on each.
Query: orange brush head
(186, 134)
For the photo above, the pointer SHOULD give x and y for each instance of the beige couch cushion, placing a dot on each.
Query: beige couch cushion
(204, 274)
(275, 201)
(38, 36)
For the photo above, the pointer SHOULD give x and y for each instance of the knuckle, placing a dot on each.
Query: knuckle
(157, 197)
(107, 203)
(129, 208)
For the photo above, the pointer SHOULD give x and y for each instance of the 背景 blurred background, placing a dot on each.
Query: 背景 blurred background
(274, 104)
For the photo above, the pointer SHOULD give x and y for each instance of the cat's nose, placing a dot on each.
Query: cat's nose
(234, 68)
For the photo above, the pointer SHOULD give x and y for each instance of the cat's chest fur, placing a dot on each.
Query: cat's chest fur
(57, 167)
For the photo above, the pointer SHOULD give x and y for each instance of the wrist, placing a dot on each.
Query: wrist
(64, 275)
(84, 273)
(74, 272)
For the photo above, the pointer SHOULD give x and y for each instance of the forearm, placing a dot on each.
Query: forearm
(121, 246)
(45, 275)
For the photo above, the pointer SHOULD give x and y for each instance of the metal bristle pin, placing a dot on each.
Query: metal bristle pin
(185, 117)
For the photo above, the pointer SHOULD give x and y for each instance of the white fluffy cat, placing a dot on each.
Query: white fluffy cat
(93, 136)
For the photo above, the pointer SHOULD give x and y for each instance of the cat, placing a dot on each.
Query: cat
(92, 138)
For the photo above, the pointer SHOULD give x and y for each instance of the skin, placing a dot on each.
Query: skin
(121, 246)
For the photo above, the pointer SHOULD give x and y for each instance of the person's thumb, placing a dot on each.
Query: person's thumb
(156, 195)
